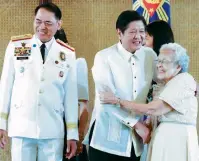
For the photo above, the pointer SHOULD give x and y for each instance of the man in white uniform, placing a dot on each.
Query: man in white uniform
(39, 88)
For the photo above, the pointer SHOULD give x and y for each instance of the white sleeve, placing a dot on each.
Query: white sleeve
(181, 87)
(82, 79)
(71, 102)
(7, 80)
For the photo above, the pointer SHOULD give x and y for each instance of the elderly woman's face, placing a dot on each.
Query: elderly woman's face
(167, 66)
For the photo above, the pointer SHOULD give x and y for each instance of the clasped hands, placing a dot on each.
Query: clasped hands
(74, 147)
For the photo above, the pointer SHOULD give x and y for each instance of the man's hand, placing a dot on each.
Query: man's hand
(144, 132)
(3, 138)
(71, 148)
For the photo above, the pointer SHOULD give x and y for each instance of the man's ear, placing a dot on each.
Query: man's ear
(59, 24)
(119, 33)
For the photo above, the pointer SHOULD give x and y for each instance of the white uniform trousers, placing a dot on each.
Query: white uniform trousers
(27, 149)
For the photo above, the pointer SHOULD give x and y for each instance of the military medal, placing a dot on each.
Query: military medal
(21, 70)
(61, 73)
(22, 51)
(62, 56)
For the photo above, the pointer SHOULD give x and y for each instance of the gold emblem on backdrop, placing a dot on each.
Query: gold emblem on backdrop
(153, 1)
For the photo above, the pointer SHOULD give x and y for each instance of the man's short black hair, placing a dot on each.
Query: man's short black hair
(126, 17)
(50, 7)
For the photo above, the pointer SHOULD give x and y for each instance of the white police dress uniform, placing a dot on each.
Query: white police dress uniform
(35, 96)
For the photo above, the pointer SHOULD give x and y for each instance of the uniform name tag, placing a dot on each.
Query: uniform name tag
(23, 58)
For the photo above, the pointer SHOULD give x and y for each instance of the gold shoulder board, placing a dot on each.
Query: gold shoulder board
(65, 45)
(21, 37)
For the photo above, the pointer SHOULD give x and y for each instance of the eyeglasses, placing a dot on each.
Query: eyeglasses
(164, 61)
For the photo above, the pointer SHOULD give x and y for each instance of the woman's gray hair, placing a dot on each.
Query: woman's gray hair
(181, 56)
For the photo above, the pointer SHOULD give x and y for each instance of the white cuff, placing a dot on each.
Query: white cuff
(72, 134)
(130, 121)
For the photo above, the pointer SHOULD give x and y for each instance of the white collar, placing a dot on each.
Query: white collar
(126, 54)
(48, 44)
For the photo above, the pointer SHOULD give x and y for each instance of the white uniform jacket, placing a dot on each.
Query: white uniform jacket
(129, 77)
(35, 96)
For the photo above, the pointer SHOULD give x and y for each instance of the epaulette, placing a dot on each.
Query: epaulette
(65, 45)
(21, 37)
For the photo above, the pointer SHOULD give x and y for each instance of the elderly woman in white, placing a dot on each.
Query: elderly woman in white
(175, 138)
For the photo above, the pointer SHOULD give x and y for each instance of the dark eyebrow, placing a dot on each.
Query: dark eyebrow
(44, 21)
(48, 21)
(38, 19)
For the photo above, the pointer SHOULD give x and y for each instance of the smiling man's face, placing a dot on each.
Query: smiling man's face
(133, 37)
(45, 25)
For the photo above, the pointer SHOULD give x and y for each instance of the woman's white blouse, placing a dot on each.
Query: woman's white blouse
(179, 93)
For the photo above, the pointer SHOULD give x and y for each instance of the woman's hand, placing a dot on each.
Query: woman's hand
(79, 147)
(108, 97)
